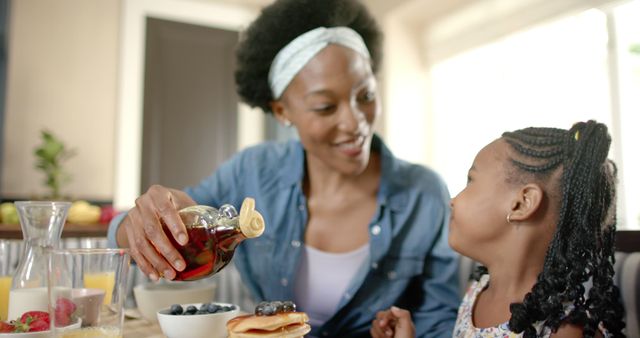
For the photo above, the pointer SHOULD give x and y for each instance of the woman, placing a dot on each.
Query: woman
(350, 228)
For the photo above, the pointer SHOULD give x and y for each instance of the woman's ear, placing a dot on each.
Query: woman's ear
(527, 201)
(278, 110)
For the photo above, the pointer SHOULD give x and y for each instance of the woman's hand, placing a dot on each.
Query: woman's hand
(142, 231)
(394, 322)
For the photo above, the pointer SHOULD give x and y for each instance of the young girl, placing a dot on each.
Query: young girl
(538, 212)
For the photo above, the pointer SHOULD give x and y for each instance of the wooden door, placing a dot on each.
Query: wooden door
(190, 103)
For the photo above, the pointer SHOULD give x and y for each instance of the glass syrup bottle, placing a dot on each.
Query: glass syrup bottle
(214, 235)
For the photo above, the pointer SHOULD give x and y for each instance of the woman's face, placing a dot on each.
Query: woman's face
(333, 103)
(479, 211)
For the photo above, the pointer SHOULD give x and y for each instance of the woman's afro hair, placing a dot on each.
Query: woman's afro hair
(283, 21)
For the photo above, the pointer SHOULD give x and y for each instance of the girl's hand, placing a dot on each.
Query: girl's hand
(394, 322)
(142, 231)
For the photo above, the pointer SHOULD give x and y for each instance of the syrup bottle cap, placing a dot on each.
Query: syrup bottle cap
(251, 221)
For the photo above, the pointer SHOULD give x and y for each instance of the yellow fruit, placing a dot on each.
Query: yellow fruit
(9, 213)
(81, 212)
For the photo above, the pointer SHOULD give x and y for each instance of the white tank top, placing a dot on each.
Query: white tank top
(323, 278)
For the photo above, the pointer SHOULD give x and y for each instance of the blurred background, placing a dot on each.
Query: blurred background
(142, 91)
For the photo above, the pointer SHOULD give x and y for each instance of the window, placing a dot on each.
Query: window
(552, 74)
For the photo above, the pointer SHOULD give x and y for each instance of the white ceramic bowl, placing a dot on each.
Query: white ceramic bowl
(209, 325)
(153, 297)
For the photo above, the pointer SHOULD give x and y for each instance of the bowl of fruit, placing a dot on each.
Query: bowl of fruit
(196, 320)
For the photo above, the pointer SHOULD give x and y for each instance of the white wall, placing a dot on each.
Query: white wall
(62, 67)
(75, 67)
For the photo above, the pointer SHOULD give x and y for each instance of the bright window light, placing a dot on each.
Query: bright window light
(549, 75)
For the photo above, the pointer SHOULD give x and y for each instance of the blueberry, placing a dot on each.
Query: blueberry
(269, 310)
(289, 306)
(226, 308)
(188, 314)
(203, 307)
(191, 310)
(260, 308)
(176, 309)
(213, 308)
(201, 312)
(279, 306)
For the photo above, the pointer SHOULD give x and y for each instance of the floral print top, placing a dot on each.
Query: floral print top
(464, 324)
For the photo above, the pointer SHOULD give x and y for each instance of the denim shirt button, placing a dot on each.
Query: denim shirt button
(374, 265)
(347, 296)
(284, 282)
(375, 230)
(391, 275)
(301, 207)
(295, 243)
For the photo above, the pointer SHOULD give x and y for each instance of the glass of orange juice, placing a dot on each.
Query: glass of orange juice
(5, 280)
(87, 289)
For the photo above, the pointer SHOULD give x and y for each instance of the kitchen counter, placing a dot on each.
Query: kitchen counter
(13, 231)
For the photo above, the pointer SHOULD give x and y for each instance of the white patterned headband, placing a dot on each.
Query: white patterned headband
(295, 55)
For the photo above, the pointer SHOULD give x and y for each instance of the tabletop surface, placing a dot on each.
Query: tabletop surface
(138, 328)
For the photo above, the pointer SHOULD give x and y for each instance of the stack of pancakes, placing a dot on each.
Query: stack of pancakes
(280, 325)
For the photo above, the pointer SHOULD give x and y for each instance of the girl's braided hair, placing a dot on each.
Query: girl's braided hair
(582, 248)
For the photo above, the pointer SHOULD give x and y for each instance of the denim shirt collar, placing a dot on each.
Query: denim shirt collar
(392, 192)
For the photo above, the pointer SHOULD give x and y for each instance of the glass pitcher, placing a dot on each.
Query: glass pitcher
(41, 224)
(214, 235)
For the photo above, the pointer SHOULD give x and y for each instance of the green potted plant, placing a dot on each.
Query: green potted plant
(50, 155)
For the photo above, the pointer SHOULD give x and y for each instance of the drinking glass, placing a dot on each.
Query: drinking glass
(5, 279)
(87, 287)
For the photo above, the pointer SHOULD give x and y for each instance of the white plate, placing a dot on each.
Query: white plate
(38, 334)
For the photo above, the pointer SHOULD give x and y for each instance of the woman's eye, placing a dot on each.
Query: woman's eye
(368, 96)
(323, 108)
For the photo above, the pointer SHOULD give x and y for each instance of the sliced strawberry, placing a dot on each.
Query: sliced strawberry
(6, 327)
(31, 316)
(38, 325)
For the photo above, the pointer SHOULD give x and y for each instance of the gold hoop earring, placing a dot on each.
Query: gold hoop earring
(509, 218)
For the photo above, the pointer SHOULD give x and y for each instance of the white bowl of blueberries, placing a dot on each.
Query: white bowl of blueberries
(198, 320)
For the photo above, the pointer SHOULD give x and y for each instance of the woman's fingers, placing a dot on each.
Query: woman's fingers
(166, 209)
(135, 236)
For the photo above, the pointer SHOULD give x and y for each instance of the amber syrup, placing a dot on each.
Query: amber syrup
(207, 252)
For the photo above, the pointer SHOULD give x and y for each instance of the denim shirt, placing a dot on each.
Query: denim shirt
(410, 263)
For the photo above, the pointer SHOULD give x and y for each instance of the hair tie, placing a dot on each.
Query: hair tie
(297, 53)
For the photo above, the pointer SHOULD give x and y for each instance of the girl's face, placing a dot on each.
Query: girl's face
(479, 211)
(333, 103)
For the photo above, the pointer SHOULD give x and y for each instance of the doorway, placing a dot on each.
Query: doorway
(190, 113)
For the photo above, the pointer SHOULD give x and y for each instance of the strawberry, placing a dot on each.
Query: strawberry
(63, 311)
(65, 305)
(6, 327)
(31, 316)
(39, 325)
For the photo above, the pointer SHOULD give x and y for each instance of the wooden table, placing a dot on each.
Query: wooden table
(139, 328)
(13, 231)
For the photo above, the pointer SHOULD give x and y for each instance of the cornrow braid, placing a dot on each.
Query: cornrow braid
(582, 248)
